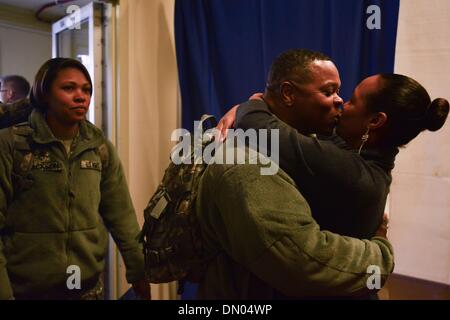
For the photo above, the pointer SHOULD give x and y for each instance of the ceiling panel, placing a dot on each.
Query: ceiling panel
(54, 13)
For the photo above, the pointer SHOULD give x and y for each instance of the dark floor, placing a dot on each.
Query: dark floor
(400, 287)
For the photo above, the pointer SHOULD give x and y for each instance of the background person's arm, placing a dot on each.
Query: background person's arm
(5, 285)
(119, 216)
(6, 191)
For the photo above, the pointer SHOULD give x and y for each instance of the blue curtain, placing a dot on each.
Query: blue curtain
(225, 47)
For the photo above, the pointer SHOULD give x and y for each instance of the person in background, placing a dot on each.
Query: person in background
(13, 88)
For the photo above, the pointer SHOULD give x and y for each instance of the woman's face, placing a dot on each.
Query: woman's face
(69, 97)
(355, 116)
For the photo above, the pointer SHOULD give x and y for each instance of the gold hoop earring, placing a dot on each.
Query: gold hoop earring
(364, 139)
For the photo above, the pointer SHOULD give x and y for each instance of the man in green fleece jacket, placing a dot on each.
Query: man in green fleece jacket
(264, 241)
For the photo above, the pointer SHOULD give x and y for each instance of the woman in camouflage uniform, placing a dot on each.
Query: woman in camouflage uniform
(61, 184)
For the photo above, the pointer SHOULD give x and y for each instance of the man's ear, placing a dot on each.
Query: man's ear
(287, 93)
(378, 120)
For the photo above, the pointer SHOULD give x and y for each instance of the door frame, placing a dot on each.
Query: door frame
(93, 14)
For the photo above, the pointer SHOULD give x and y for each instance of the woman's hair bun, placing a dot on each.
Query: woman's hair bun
(436, 114)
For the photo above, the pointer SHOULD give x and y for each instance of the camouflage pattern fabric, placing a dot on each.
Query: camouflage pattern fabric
(173, 247)
(95, 293)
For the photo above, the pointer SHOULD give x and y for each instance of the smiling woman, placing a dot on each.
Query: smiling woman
(61, 184)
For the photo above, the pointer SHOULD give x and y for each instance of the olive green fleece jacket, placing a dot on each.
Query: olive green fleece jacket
(59, 219)
(264, 240)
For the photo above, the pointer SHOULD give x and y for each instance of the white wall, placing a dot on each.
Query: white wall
(23, 51)
(148, 110)
(420, 194)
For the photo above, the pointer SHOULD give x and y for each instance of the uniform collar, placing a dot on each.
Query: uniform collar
(43, 134)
